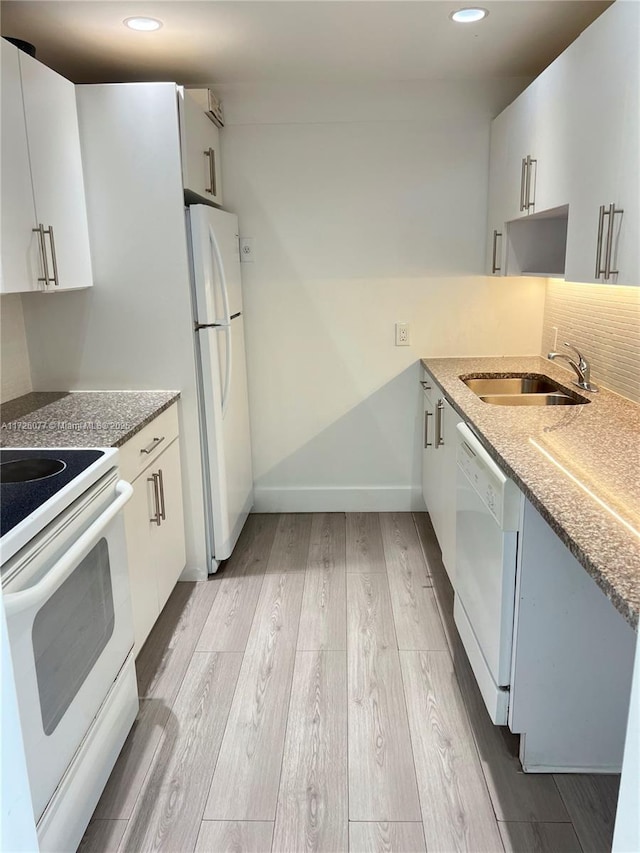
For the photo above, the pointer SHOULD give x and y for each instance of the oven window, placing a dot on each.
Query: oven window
(70, 632)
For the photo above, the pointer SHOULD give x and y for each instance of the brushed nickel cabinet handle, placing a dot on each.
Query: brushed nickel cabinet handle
(527, 194)
(163, 513)
(45, 278)
(605, 271)
(523, 181)
(211, 154)
(425, 385)
(439, 424)
(157, 518)
(599, 270)
(608, 272)
(151, 447)
(55, 279)
(427, 443)
(494, 267)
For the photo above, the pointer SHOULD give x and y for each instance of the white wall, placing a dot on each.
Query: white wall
(14, 355)
(366, 206)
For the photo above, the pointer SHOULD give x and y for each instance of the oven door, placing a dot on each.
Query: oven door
(70, 628)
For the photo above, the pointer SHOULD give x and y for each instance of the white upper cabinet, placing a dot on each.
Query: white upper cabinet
(200, 150)
(20, 266)
(512, 174)
(515, 130)
(552, 140)
(45, 241)
(564, 162)
(604, 111)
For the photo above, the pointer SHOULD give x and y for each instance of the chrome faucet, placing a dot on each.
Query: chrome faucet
(582, 368)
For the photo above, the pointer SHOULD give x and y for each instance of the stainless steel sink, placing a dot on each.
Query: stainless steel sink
(556, 399)
(512, 385)
(530, 390)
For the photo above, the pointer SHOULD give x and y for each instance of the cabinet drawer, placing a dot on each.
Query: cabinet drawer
(149, 443)
(428, 385)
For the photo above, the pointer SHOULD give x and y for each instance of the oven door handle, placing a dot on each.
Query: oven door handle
(15, 602)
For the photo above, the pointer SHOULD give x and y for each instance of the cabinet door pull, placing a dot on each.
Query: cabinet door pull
(163, 514)
(523, 182)
(494, 267)
(425, 385)
(527, 200)
(608, 272)
(40, 231)
(427, 443)
(439, 433)
(599, 270)
(157, 518)
(211, 154)
(56, 279)
(151, 447)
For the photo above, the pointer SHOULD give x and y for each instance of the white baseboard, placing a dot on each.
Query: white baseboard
(338, 499)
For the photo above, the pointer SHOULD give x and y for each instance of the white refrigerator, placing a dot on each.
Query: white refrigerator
(221, 377)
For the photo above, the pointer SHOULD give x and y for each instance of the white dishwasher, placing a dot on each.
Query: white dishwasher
(488, 511)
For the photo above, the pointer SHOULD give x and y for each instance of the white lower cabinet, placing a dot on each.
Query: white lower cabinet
(167, 535)
(572, 655)
(154, 520)
(439, 468)
(572, 661)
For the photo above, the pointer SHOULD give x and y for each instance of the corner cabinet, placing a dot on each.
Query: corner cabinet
(200, 150)
(564, 174)
(439, 467)
(154, 519)
(45, 239)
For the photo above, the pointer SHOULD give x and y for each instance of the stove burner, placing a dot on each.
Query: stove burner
(28, 470)
(29, 477)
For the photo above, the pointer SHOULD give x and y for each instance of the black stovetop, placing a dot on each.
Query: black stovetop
(54, 469)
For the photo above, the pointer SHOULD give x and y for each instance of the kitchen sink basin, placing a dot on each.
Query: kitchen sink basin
(512, 385)
(556, 399)
(531, 390)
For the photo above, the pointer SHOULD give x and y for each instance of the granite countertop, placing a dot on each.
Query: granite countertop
(80, 418)
(578, 465)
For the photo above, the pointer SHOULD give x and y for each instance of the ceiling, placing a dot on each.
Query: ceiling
(310, 41)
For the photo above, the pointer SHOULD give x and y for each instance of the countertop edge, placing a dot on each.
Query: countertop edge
(151, 417)
(139, 408)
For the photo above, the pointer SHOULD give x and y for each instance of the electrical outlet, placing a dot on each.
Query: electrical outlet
(554, 329)
(402, 334)
(246, 250)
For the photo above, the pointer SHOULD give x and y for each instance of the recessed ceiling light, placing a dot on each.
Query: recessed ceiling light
(143, 25)
(468, 16)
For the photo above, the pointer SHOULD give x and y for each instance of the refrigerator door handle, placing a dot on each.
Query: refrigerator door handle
(227, 372)
(223, 279)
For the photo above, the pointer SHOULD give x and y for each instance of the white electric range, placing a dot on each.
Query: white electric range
(65, 588)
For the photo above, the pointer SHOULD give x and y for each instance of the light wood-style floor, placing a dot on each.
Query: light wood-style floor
(314, 696)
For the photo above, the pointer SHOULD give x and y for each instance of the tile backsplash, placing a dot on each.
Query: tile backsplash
(603, 321)
(15, 372)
